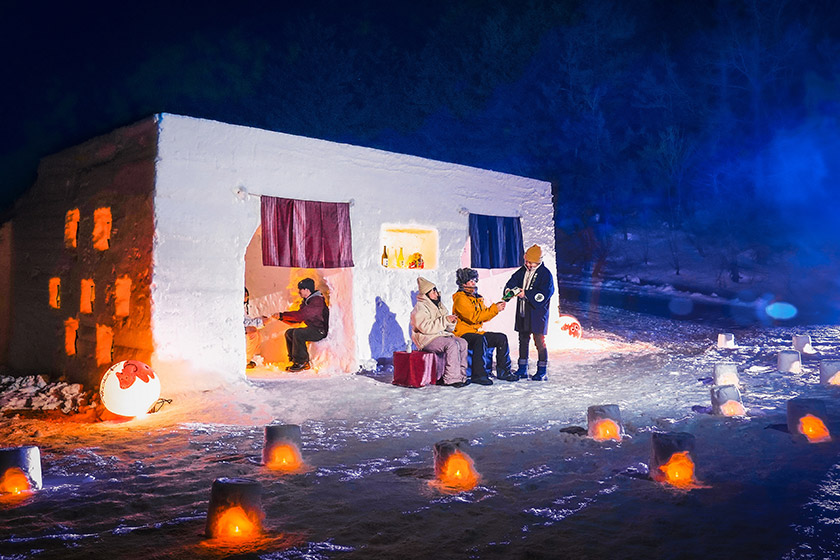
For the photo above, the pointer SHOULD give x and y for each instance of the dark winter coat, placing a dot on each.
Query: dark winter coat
(537, 298)
(313, 311)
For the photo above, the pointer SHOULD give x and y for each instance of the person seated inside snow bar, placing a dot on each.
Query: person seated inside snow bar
(315, 313)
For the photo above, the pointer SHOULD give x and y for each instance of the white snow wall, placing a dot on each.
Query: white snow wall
(202, 229)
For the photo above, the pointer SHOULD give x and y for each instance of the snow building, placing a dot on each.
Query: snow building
(137, 245)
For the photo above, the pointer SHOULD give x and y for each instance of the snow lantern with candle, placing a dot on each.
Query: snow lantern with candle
(726, 373)
(129, 388)
(604, 422)
(789, 361)
(20, 470)
(671, 460)
(454, 469)
(806, 419)
(726, 401)
(235, 511)
(281, 450)
(830, 372)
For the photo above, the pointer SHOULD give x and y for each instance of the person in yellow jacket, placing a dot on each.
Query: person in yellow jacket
(468, 306)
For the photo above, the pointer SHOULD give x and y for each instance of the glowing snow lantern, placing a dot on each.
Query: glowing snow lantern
(726, 401)
(726, 340)
(454, 469)
(814, 429)
(802, 343)
(20, 469)
(570, 326)
(281, 450)
(805, 420)
(604, 422)
(726, 373)
(789, 361)
(671, 460)
(563, 332)
(235, 510)
(14, 481)
(129, 388)
(830, 372)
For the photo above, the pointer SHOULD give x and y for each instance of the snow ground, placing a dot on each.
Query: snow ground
(140, 489)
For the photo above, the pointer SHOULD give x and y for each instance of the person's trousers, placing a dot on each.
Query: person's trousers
(539, 341)
(252, 344)
(296, 340)
(456, 350)
(479, 343)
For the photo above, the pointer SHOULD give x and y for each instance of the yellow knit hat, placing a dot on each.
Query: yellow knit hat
(533, 254)
(424, 285)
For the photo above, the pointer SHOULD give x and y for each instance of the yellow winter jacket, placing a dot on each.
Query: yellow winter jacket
(471, 313)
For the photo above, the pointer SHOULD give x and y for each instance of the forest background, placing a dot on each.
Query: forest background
(703, 133)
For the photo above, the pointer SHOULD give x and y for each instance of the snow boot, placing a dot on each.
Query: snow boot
(542, 373)
(507, 375)
(522, 372)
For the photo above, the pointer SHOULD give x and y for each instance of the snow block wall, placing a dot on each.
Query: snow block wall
(166, 220)
(207, 213)
(82, 258)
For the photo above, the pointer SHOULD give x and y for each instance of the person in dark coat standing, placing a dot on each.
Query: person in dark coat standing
(315, 314)
(533, 285)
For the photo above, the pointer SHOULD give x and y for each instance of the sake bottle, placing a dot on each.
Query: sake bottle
(384, 256)
(400, 259)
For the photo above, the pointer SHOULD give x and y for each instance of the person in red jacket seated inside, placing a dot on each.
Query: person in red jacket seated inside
(315, 315)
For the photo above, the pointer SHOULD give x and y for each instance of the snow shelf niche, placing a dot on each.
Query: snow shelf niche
(401, 242)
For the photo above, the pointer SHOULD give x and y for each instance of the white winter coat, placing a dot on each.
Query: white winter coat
(428, 321)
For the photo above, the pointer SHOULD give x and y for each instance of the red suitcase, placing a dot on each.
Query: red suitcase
(415, 369)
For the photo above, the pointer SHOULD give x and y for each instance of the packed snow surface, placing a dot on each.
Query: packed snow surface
(140, 489)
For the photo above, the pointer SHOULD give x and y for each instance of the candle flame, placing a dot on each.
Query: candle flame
(814, 429)
(679, 470)
(458, 472)
(14, 481)
(732, 408)
(235, 523)
(285, 457)
(605, 429)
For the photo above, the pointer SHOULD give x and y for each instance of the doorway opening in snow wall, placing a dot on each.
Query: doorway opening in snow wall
(273, 289)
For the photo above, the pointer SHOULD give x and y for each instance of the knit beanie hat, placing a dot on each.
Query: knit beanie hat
(533, 254)
(424, 285)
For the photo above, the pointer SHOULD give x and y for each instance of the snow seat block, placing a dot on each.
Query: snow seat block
(416, 369)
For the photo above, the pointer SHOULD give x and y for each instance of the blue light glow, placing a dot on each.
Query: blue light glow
(781, 310)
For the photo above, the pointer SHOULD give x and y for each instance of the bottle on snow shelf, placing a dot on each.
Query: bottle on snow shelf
(400, 259)
(384, 259)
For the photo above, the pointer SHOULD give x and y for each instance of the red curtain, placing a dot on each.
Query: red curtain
(305, 233)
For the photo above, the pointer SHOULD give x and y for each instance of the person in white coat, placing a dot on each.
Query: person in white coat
(432, 331)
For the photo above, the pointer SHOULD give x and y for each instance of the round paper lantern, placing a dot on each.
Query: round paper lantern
(129, 388)
(570, 326)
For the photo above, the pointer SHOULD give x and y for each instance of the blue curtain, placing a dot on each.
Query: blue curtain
(496, 242)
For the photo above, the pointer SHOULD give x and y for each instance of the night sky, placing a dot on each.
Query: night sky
(687, 112)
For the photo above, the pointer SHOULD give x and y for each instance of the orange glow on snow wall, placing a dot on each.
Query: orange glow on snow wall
(71, 228)
(55, 293)
(104, 344)
(88, 296)
(102, 229)
(122, 296)
(71, 332)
